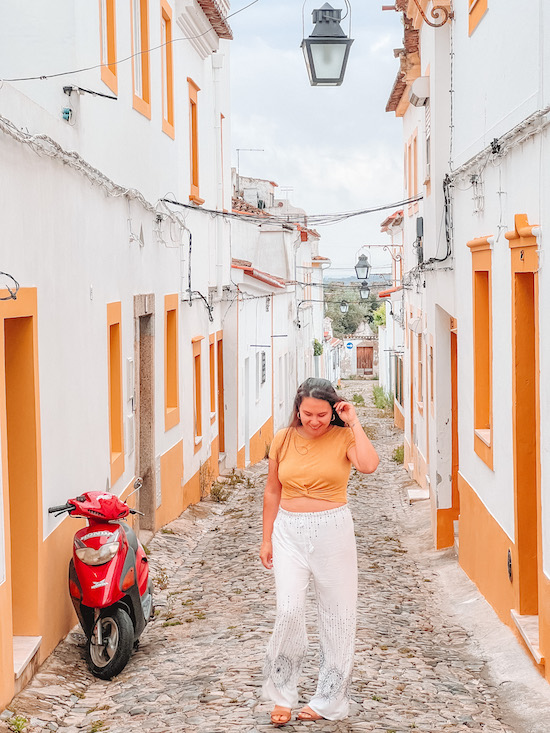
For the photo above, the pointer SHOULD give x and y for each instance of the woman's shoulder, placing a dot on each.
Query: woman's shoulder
(342, 435)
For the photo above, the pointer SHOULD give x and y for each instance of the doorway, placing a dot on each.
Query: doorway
(22, 471)
(525, 440)
(144, 406)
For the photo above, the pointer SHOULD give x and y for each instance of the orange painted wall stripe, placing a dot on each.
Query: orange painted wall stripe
(114, 357)
(167, 69)
(171, 362)
(107, 43)
(476, 11)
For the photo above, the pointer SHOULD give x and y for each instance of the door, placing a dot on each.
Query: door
(22, 471)
(365, 359)
(144, 406)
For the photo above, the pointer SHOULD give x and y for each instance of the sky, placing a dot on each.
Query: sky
(336, 148)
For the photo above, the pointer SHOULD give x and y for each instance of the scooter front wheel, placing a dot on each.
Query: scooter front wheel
(109, 647)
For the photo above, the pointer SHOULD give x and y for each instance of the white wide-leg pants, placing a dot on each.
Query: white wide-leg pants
(319, 545)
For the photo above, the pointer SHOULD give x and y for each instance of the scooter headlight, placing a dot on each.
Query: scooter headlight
(102, 555)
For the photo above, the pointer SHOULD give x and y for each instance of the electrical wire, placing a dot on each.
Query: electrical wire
(42, 77)
(310, 219)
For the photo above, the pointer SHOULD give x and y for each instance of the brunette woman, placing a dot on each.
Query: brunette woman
(308, 533)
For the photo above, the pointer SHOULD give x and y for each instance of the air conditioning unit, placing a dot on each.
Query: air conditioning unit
(420, 91)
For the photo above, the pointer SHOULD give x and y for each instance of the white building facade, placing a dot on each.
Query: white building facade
(476, 337)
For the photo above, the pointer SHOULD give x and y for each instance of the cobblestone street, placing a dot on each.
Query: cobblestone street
(199, 664)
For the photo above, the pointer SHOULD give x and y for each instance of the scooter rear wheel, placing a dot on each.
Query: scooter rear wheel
(109, 658)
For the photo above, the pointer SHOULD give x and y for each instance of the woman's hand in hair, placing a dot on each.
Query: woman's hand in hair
(346, 412)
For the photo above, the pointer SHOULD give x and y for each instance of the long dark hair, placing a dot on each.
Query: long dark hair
(319, 389)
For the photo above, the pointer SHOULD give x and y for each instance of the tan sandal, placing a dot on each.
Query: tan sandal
(308, 714)
(280, 716)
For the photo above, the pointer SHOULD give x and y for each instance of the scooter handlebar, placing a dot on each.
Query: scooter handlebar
(62, 508)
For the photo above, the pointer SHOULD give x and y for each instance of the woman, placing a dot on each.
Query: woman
(308, 532)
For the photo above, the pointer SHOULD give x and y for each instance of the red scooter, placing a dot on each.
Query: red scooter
(109, 580)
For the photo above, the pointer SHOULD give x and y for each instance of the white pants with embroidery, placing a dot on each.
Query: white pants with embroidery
(318, 545)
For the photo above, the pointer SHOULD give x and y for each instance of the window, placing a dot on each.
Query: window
(399, 379)
(431, 372)
(197, 390)
(194, 141)
(108, 44)
(420, 372)
(221, 398)
(167, 69)
(483, 348)
(114, 356)
(140, 60)
(476, 11)
(212, 365)
(171, 390)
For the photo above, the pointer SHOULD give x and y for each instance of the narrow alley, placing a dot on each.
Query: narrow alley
(198, 668)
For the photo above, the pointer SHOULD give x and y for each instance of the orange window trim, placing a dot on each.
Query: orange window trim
(167, 72)
(114, 356)
(482, 347)
(108, 32)
(197, 388)
(142, 103)
(171, 386)
(194, 194)
(476, 11)
(212, 365)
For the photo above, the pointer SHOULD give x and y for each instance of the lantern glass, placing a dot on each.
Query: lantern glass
(364, 290)
(326, 60)
(362, 268)
(344, 307)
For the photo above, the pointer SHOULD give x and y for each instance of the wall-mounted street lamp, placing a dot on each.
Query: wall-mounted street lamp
(344, 307)
(326, 50)
(362, 268)
(364, 290)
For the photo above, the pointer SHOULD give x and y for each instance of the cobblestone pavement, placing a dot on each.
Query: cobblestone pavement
(199, 663)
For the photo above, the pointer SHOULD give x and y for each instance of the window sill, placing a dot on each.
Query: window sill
(212, 418)
(196, 199)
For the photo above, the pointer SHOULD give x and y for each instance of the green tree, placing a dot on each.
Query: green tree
(344, 324)
(379, 316)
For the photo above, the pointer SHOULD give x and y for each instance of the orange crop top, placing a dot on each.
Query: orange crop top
(314, 467)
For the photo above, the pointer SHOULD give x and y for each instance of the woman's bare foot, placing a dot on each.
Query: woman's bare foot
(280, 716)
(308, 714)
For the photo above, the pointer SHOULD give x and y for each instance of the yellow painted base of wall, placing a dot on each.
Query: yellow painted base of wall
(398, 417)
(443, 527)
(56, 616)
(260, 441)
(175, 498)
(483, 552)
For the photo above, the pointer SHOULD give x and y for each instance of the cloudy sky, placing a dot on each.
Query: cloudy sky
(336, 148)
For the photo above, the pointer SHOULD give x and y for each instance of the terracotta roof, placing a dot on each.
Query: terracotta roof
(265, 277)
(319, 257)
(240, 206)
(411, 46)
(217, 19)
(395, 218)
(387, 293)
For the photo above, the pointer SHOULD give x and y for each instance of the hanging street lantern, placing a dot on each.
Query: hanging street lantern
(344, 307)
(326, 50)
(364, 290)
(362, 268)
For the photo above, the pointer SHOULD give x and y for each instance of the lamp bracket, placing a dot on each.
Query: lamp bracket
(395, 257)
(437, 12)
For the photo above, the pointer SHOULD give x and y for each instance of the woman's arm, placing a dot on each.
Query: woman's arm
(362, 454)
(272, 498)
